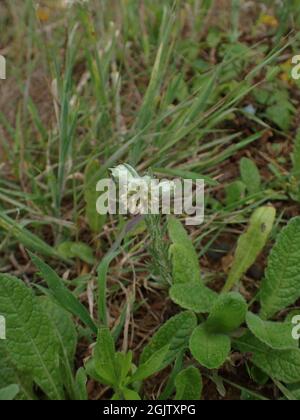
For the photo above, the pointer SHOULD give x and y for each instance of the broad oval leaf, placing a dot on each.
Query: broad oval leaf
(31, 341)
(185, 260)
(130, 395)
(283, 365)
(227, 314)
(175, 332)
(210, 350)
(184, 271)
(9, 393)
(194, 296)
(281, 286)
(276, 335)
(9, 375)
(250, 175)
(188, 384)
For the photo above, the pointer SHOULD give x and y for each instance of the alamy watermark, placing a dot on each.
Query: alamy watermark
(296, 329)
(2, 67)
(2, 328)
(128, 193)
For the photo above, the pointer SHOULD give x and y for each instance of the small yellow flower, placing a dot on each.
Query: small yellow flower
(268, 20)
(43, 14)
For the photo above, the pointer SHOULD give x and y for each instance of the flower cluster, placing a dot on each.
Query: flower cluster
(140, 194)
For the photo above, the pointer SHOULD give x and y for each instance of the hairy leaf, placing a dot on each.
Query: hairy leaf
(281, 286)
(283, 365)
(250, 175)
(184, 256)
(276, 335)
(188, 384)
(235, 192)
(194, 297)
(227, 314)
(9, 375)
(104, 357)
(209, 349)
(175, 332)
(152, 365)
(31, 341)
(184, 271)
(9, 393)
(63, 326)
(131, 395)
(251, 244)
(123, 363)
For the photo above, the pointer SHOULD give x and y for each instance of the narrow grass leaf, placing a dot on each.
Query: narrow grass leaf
(63, 296)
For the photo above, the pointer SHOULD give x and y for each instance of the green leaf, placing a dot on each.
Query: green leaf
(104, 357)
(184, 271)
(91, 371)
(64, 249)
(250, 175)
(281, 286)
(102, 271)
(63, 296)
(81, 381)
(175, 333)
(276, 335)
(170, 384)
(188, 385)
(83, 252)
(9, 375)
(9, 393)
(28, 239)
(227, 314)
(296, 157)
(295, 389)
(281, 115)
(123, 363)
(95, 220)
(66, 334)
(210, 350)
(130, 395)
(283, 365)
(63, 326)
(251, 244)
(31, 341)
(184, 256)
(79, 250)
(235, 192)
(153, 365)
(195, 297)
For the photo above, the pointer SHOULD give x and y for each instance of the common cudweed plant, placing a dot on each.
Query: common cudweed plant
(209, 327)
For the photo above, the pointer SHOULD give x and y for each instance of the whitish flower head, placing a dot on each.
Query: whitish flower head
(124, 173)
(140, 192)
(70, 3)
